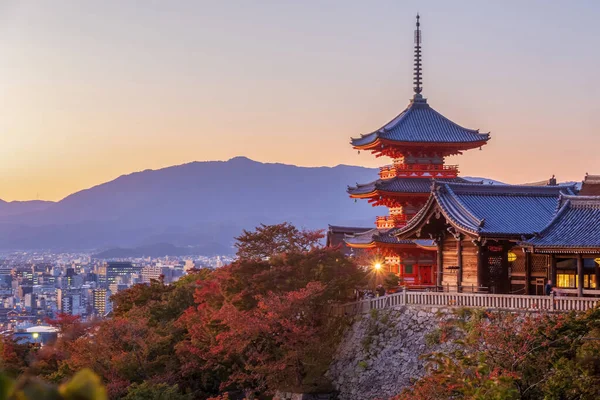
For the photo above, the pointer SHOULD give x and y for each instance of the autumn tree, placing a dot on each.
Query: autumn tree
(262, 322)
(501, 355)
(135, 346)
(256, 325)
(15, 355)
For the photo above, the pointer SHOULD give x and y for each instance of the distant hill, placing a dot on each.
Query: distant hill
(22, 207)
(164, 249)
(195, 204)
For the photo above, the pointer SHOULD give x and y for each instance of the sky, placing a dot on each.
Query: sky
(92, 90)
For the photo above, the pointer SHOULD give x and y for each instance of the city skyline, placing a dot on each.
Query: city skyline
(94, 91)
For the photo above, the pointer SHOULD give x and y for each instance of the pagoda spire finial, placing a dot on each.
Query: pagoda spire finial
(418, 74)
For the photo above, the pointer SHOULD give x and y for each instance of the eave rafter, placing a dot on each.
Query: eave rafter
(392, 199)
(382, 147)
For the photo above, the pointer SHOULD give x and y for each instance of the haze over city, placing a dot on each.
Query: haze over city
(92, 91)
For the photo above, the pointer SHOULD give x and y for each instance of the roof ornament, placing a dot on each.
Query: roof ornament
(417, 74)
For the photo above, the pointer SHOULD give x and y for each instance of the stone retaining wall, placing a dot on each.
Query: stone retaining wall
(301, 396)
(380, 353)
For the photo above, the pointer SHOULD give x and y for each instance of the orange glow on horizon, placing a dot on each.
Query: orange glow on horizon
(85, 98)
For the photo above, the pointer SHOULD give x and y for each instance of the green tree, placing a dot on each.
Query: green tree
(159, 391)
(267, 241)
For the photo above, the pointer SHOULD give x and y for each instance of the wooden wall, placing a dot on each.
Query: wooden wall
(469, 264)
(450, 258)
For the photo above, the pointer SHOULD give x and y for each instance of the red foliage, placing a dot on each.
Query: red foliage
(255, 325)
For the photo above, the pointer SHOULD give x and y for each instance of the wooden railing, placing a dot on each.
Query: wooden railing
(390, 171)
(476, 300)
(390, 221)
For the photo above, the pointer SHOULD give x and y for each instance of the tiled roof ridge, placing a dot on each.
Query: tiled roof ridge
(500, 190)
(477, 223)
(575, 226)
(401, 115)
(370, 231)
(413, 221)
(368, 183)
(399, 119)
(394, 121)
(454, 123)
(563, 207)
(381, 183)
(581, 201)
(388, 237)
(340, 227)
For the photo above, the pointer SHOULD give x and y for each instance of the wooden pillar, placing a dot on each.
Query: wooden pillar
(459, 272)
(553, 272)
(440, 263)
(579, 275)
(527, 272)
(597, 273)
(481, 267)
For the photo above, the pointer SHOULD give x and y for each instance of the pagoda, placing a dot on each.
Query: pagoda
(417, 141)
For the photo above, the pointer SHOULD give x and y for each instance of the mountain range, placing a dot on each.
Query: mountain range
(202, 204)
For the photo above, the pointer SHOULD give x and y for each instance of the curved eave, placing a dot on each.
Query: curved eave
(363, 195)
(361, 245)
(427, 212)
(561, 250)
(425, 244)
(380, 144)
(415, 222)
(458, 216)
(379, 244)
(383, 193)
(396, 245)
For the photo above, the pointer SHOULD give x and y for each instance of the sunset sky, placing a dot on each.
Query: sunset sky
(90, 90)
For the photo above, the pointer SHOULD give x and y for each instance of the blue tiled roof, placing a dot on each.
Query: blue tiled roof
(575, 225)
(426, 243)
(375, 235)
(399, 185)
(419, 123)
(492, 210)
(388, 237)
(362, 237)
(347, 229)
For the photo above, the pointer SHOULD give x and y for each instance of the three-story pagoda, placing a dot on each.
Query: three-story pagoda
(417, 141)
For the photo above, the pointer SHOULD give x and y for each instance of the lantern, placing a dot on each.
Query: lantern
(511, 256)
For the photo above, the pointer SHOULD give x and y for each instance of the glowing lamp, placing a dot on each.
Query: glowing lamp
(35, 335)
(377, 266)
(597, 260)
(511, 256)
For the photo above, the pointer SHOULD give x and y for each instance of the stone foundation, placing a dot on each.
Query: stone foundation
(380, 353)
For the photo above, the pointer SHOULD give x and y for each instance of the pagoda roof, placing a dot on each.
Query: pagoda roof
(347, 229)
(508, 211)
(337, 234)
(420, 123)
(574, 228)
(399, 185)
(371, 237)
